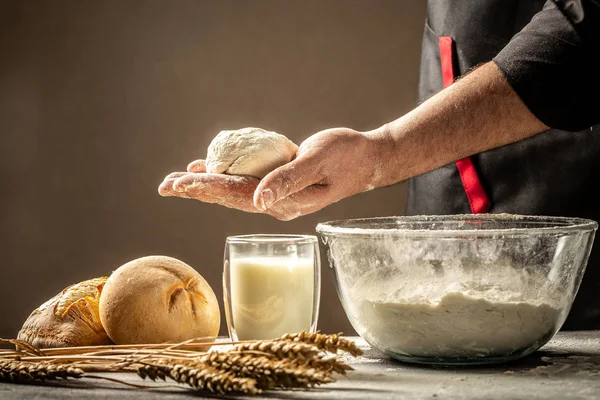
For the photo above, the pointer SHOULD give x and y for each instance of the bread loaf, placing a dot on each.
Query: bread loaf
(71, 318)
(158, 299)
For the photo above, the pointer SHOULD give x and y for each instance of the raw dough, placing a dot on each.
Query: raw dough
(157, 299)
(70, 318)
(248, 151)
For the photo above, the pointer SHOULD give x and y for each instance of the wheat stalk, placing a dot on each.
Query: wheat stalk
(22, 371)
(268, 371)
(204, 378)
(279, 348)
(318, 361)
(331, 343)
(188, 346)
(22, 345)
(297, 360)
(328, 364)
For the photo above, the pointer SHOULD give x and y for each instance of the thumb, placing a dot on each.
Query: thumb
(284, 181)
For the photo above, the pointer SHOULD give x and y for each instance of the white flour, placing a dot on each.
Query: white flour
(567, 365)
(460, 320)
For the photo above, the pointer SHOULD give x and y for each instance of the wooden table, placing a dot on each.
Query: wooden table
(566, 368)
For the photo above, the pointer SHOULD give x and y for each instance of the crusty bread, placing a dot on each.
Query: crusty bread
(70, 318)
(158, 299)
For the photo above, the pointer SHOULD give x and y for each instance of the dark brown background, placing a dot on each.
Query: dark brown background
(99, 100)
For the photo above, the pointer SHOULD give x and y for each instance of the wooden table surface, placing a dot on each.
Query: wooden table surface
(568, 367)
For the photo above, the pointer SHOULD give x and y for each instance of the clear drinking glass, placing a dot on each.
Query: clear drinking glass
(271, 285)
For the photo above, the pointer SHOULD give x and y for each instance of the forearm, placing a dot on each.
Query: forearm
(478, 112)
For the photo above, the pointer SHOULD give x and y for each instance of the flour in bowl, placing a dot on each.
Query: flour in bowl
(460, 320)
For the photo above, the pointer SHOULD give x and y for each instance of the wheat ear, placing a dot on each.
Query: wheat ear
(269, 371)
(331, 342)
(279, 348)
(205, 378)
(23, 372)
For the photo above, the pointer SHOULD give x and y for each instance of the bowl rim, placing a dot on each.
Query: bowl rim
(272, 238)
(559, 226)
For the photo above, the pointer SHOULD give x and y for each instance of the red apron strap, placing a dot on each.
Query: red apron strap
(478, 199)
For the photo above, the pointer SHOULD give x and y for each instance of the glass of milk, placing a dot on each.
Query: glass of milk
(271, 285)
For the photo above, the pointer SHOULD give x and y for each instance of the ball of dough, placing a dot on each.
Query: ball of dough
(158, 299)
(248, 151)
(70, 318)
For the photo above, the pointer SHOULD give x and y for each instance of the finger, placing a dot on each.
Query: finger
(285, 181)
(166, 187)
(215, 185)
(236, 192)
(197, 166)
(174, 175)
(227, 190)
(306, 201)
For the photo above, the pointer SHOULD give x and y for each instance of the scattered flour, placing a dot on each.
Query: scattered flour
(567, 365)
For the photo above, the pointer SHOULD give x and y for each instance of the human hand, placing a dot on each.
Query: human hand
(230, 191)
(328, 167)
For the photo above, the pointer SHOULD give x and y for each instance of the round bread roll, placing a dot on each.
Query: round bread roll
(158, 299)
(248, 151)
(70, 318)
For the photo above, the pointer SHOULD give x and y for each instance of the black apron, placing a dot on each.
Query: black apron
(553, 173)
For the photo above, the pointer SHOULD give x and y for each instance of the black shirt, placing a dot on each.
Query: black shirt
(553, 64)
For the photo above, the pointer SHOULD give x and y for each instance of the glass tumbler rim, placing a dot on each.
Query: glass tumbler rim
(272, 238)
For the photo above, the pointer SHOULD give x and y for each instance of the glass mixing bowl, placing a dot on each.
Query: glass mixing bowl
(460, 289)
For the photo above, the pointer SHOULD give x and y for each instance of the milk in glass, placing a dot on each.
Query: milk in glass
(271, 296)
